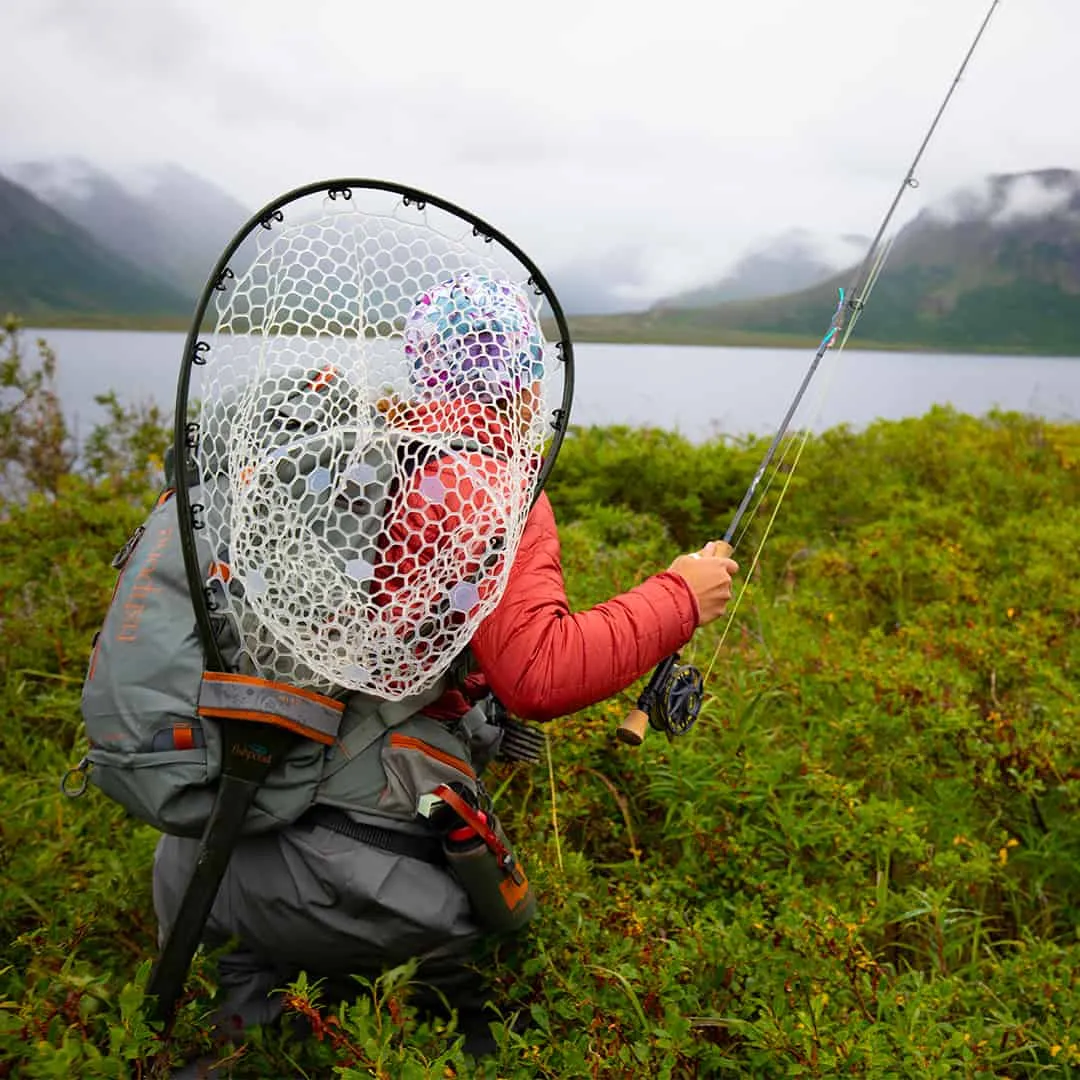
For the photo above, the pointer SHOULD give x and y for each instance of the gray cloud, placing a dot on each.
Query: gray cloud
(582, 128)
(115, 37)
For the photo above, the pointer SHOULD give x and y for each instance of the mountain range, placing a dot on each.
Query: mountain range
(167, 221)
(993, 266)
(783, 264)
(79, 245)
(51, 268)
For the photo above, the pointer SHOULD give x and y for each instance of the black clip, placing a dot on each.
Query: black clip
(82, 771)
(191, 434)
(225, 275)
(119, 560)
(198, 521)
(267, 220)
(198, 353)
(344, 192)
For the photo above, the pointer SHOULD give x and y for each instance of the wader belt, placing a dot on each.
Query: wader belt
(428, 849)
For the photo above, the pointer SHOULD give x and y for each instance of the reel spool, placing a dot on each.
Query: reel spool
(677, 708)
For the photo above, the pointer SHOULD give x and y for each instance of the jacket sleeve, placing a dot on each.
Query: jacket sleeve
(542, 661)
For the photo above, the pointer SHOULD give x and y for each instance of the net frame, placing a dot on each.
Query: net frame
(201, 338)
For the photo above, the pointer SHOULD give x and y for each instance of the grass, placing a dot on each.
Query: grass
(864, 859)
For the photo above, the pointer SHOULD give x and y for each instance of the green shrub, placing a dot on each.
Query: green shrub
(864, 860)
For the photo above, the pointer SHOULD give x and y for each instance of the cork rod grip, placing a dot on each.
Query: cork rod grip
(632, 730)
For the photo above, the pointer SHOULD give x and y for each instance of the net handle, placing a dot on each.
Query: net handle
(194, 348)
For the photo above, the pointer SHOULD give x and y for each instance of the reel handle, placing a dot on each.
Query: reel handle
(632, 730)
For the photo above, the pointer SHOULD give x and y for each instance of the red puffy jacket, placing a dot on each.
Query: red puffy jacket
(539, 658)
(542, 660)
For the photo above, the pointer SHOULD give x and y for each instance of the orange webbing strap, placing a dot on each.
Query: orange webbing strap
(473, 819)
(226, 696)
(410, 742)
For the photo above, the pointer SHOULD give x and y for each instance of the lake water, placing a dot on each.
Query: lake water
(696, 390)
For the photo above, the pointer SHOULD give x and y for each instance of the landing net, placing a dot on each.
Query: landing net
(375, 394)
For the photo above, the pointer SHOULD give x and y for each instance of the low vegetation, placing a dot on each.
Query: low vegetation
(864, 860)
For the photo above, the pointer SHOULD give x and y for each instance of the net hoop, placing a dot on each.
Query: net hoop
(257, 492)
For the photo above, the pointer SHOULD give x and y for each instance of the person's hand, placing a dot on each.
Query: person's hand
(709, 576)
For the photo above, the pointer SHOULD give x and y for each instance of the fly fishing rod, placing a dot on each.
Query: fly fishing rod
(672, 698)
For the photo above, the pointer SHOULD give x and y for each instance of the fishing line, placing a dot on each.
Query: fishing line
(845, 317)
(785, 441)
(800, 442)
(554, 800)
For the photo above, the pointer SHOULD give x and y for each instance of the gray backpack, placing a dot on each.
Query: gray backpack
(151, 713)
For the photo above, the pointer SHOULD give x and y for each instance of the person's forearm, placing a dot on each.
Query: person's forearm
(542, 661)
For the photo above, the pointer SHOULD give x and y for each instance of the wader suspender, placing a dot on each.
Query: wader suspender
(260, 722)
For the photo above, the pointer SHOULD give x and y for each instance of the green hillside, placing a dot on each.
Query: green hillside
(999, 278)
(52, 271)
(1020, 316)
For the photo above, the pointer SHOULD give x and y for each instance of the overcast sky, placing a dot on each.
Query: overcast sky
(660, 139)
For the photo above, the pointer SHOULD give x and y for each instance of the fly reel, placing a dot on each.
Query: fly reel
(676, 708)
(670, 703)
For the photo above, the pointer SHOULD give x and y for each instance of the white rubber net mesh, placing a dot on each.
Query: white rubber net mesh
(375, 393)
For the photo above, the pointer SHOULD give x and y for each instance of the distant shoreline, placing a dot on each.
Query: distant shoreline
(593, 330)
(159, 323)
(583, 329)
